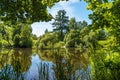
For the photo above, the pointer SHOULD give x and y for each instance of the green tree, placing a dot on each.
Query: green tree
(77, 30)
(72, 38)
(72, 23)
(48, 40)
(16, 34)
(61, 23)
(34, 36)
(46, 31)
(25, 10)
(6, 35)
(105, 19)
(81, 24)
(22, 36)
(26, 36)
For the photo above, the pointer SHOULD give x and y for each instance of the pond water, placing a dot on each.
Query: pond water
(57, 64)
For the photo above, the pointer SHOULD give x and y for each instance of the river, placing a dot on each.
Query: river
(57, 64)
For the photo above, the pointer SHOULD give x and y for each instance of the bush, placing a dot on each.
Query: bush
(70, 43)
(16, 40)
(48, 40)
(25, 43)
(5, 44)
(59, 45)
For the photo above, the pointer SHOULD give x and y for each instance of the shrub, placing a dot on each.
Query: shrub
(59, 45)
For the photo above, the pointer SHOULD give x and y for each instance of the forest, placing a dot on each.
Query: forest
(101, 38)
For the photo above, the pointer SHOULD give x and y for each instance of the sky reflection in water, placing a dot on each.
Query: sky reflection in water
(46, 64)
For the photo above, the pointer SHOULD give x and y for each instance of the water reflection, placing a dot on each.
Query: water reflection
(68, 65)
(16, 57)
(61, 64)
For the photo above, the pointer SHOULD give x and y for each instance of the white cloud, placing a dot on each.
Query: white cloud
(40, 27)
(74, 1)
(67, 7)
(63, 5)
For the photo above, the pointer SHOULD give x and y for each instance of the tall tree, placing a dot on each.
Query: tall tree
(61, 23)
(46, 31)
(72, 23)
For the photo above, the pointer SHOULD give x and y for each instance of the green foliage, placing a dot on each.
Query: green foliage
(11, 68)
(77, 31)
(48, 40)
(60, 44)
(105, 20)
(72, 38)
(25, 11)
(25, 43)
(61, 23)
(5, 44)
(69, 33)
(72, 24)
(25, 37)
(105, 15)
(101, 38)
(102, 35)
(6, 34)
(22, 36)
(16, 40)
(64, 35)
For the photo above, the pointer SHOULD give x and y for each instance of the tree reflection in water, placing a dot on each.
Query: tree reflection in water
(14, 62)
(58, 64)
(68, 65)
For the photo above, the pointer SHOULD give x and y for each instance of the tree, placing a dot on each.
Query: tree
(48, 40)
(22, 36)
(61, 23)
(26, 36)
(106, 16)
(106, 19)
(46, 31)
(72, 38)
(81, 24)
(16, 34)
(34, 36)
(6, 34)
(72, 23)
(25, 10)
(75, 37)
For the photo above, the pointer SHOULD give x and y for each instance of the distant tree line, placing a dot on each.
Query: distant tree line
(18, 36)
(69, 33)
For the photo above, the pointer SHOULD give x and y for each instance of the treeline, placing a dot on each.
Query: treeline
(16, 36)
(66, 33)
(70, 33)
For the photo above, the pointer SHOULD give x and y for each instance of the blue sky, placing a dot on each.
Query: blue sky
(74, 8)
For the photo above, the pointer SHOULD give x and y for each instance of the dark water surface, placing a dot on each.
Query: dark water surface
(58, 64)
